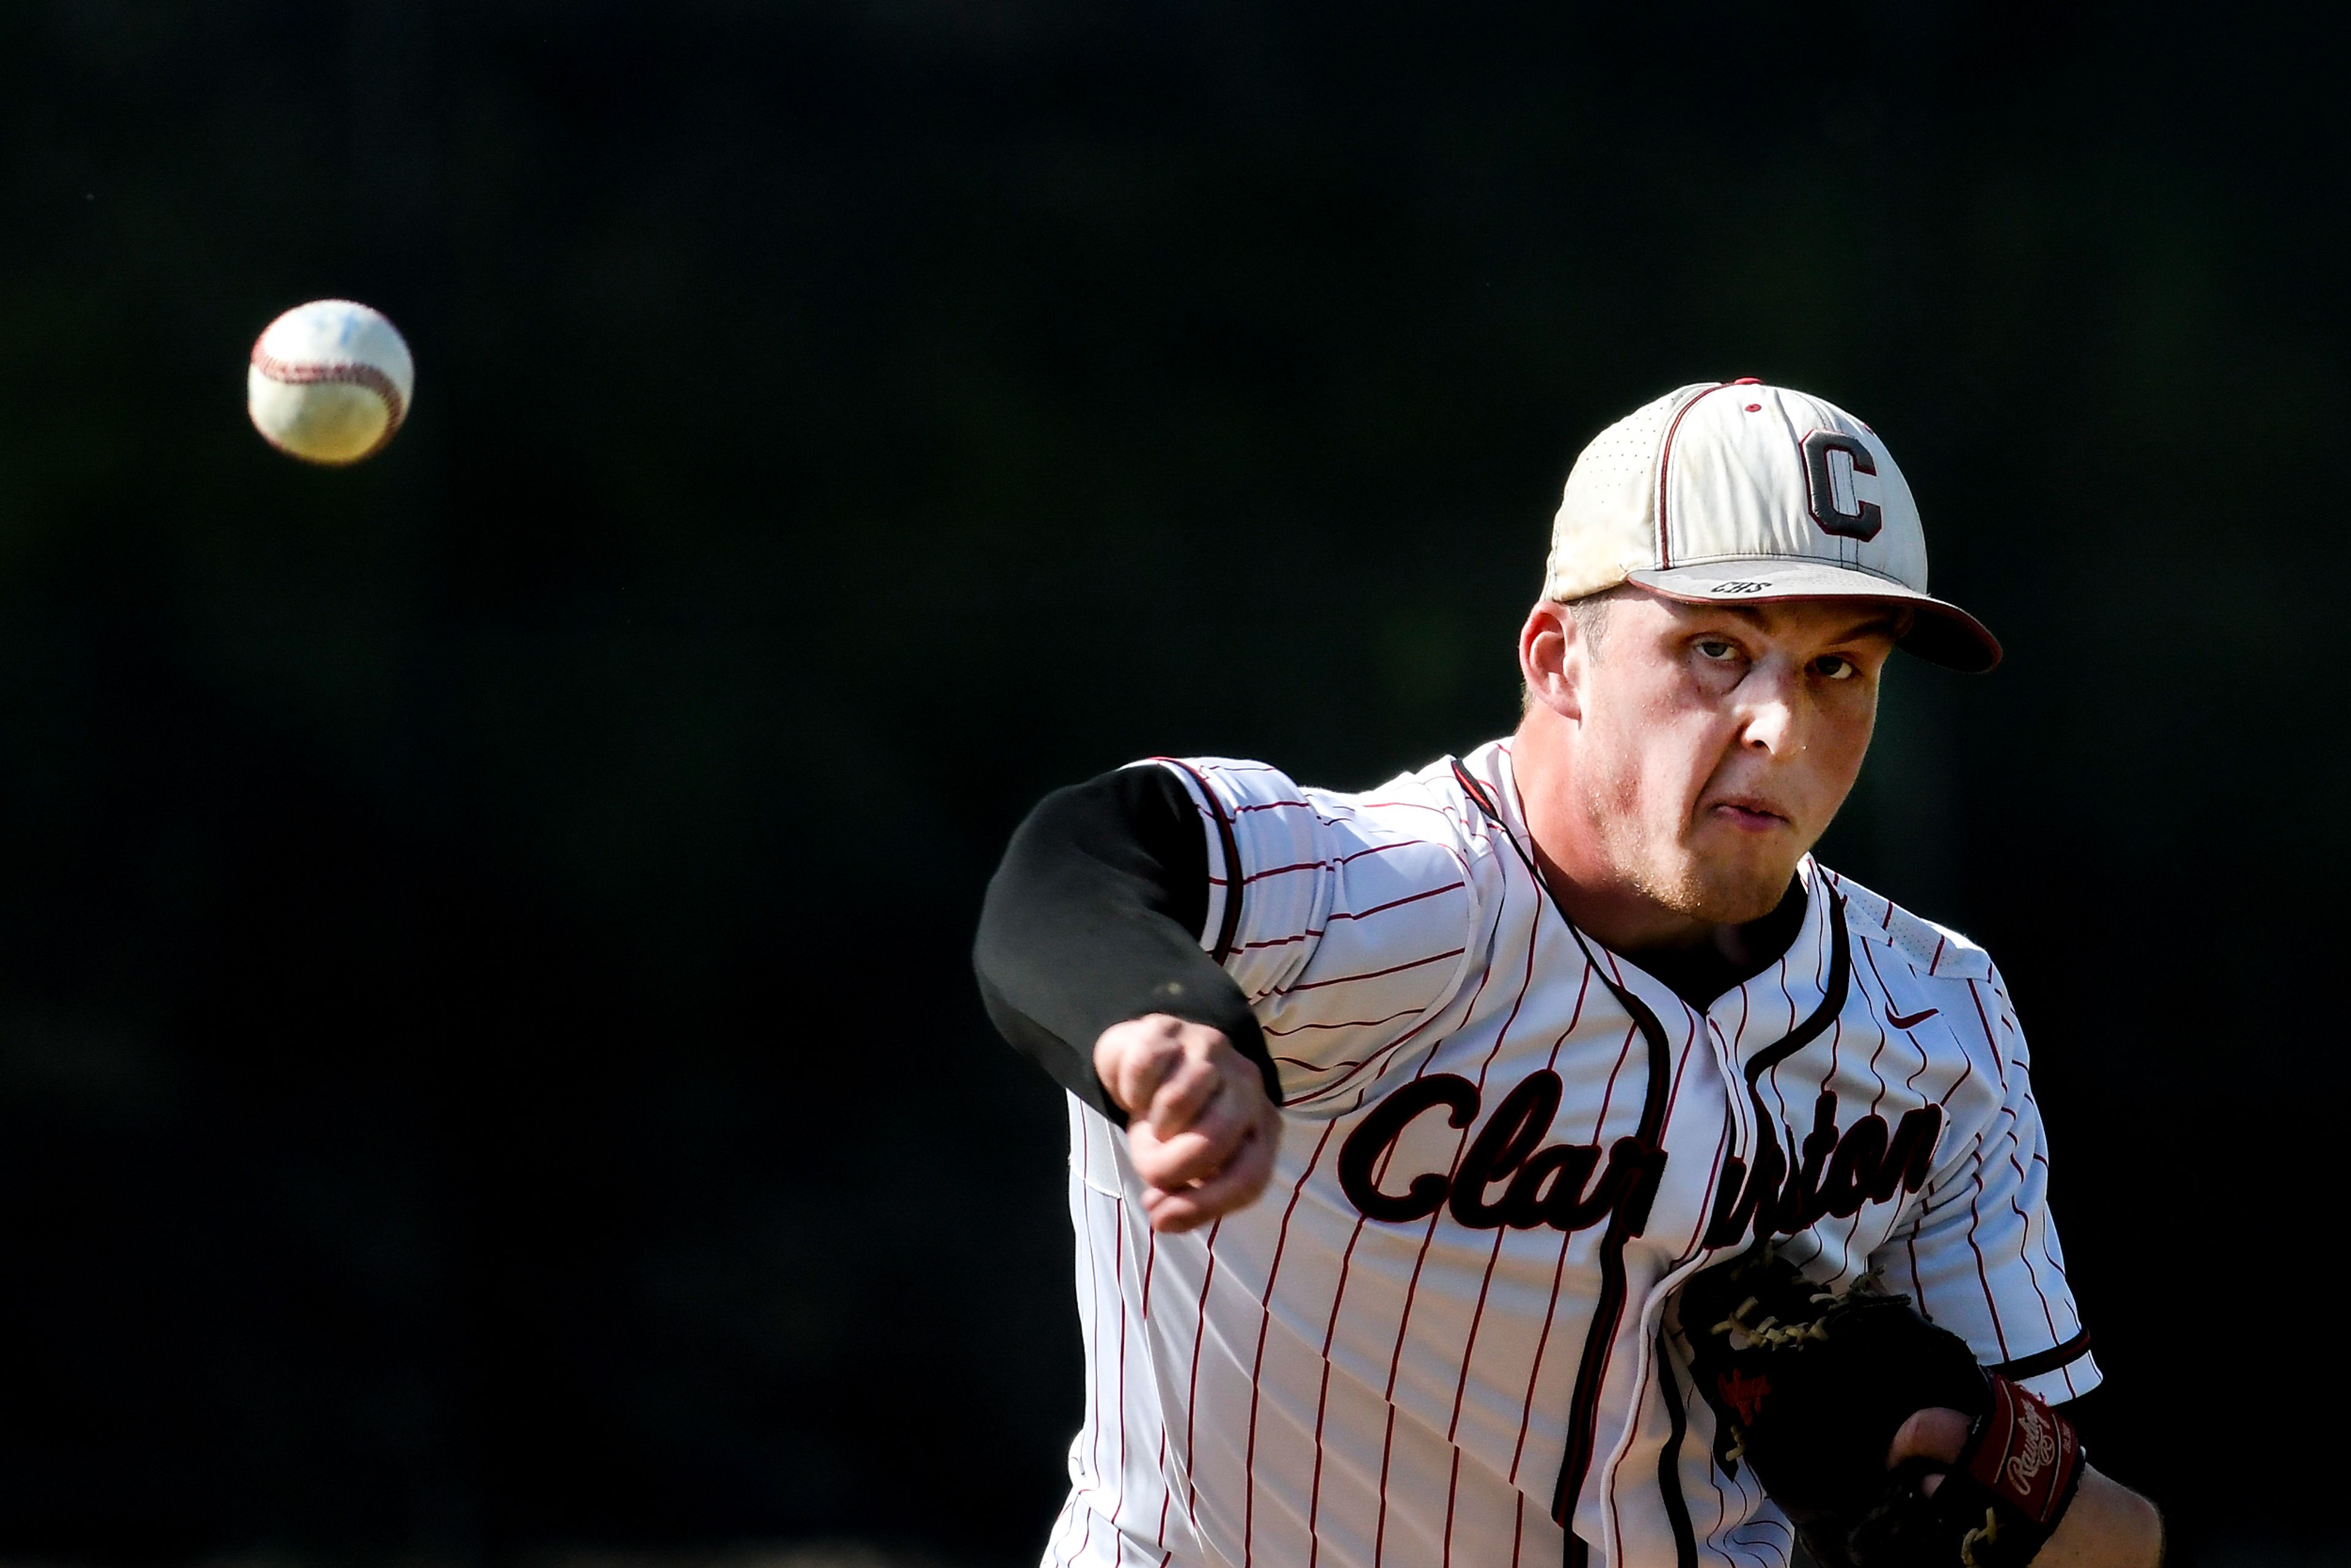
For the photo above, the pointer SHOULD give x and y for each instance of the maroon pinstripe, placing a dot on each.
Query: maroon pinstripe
(1350, 1023)
(1094, 1287)
(1350, 979)
(2030, 1272)
(1380, 1535)
(1452, 1493)
(1311, 932)
(1118, 1262)
(1975, 1217)
(2025, 1224)
(1884, 1000)
(1166, 1493)
(1192, 1399)
(1257, 1366)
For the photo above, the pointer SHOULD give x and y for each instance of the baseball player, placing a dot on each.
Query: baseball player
(1541, 1157)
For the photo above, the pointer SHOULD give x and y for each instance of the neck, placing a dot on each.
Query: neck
(1621, 918)
(1568, 851)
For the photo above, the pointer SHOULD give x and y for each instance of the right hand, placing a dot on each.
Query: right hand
(1200, 1129)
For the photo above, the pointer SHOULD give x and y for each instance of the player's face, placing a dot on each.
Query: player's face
(1717, 741)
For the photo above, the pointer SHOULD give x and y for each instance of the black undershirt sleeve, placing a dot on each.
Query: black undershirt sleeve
(1096, 917)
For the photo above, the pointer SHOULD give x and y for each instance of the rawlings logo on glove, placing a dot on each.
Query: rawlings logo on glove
(2024, 1452)
(2039, 1436)
(1810, 1389)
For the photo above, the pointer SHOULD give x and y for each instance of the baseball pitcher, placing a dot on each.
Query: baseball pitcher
(1541, 1157)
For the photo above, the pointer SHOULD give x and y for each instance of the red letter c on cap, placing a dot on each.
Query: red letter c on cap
(1831, 461)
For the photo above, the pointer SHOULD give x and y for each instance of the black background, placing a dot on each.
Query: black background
(487, 1058)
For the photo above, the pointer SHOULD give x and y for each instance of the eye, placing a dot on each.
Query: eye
(1835, 667)
(1717, 650)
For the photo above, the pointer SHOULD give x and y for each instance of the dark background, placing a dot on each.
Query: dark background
(487, 1058)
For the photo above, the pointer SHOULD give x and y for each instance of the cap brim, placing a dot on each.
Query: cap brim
(1940, 633)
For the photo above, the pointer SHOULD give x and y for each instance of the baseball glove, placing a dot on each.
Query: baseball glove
(1810, 1389)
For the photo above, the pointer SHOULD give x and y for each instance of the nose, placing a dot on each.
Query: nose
(1769, 711)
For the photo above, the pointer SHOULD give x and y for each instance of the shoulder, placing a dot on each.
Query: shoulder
(1425, 807)
(1920, 949)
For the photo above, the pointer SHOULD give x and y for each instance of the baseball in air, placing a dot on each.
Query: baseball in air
(329, 382)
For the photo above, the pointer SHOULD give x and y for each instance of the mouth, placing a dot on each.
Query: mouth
(1749, 813)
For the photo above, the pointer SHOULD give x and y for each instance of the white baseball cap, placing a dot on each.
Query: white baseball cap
(1733, 492)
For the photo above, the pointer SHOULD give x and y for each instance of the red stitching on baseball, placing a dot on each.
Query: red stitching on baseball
(335, 373)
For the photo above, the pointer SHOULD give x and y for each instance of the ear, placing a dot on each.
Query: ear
(1553, 659)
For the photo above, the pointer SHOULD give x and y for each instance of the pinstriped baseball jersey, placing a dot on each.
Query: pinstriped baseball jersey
(1444, 1333)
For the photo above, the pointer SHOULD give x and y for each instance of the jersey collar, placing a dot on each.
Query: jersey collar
(1800, 977)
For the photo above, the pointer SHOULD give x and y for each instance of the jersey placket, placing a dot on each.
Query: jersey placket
(1758, 998)
(1622, 1487)
(1611, 1485)
(1648, 1350)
